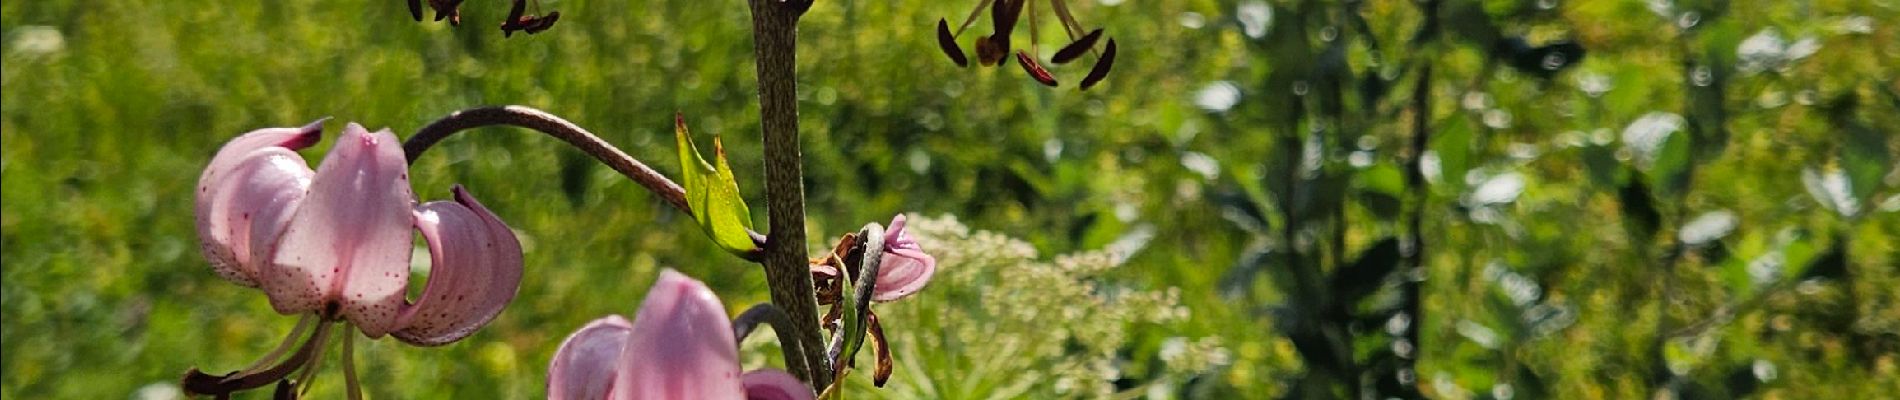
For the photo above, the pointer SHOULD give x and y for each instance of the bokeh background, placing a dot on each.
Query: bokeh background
(1620, 199)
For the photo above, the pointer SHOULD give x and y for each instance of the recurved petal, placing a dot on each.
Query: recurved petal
(349, 241)
(772, 384)
(905, 268)
(902, 273)
(266, 159)
(475, 269)
(585, 365)
(681, 346)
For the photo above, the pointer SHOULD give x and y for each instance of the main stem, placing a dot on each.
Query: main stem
(775, 44)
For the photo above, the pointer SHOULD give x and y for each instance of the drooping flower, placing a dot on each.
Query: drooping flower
(679, 346)
(991, 49)
(903, 269)
(334, 245)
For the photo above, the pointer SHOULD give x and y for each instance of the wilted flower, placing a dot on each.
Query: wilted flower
(991, 49)
(680, 346)
(903, 269)
(334, 245)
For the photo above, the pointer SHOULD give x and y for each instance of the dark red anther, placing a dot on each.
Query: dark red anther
(1034, 68)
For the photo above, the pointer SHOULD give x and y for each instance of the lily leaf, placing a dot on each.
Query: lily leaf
(713, 193)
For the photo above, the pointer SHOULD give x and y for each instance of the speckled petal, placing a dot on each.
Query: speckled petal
(772, 384)
(349, 242)
(475, 270)
(255, 174)
(905, 268)
(585, 365)
(682, 346)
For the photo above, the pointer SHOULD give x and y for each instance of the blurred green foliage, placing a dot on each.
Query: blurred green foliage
(1709, 194)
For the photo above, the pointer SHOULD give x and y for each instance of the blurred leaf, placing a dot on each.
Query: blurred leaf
(713, 193)
(1864, 155)
(1639, 208)
(1830, 265)
(1543, 61)
(1452, 144)
(1669, 174)
(1367, 273)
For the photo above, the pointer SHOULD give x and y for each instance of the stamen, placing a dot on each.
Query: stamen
(1035, 35)
(322, 340)
(1035, 69)
(1100, 70)
(1069, 24)
(948, 42)
(198, 382)
(1074, 50)
(349, 368)
(303, 324)
(972, 18)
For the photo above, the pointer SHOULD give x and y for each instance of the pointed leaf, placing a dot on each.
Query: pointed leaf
(713, 193)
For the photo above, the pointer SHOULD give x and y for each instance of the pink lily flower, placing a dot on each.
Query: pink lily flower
(679, 346)
(334, 245)
(905, 268)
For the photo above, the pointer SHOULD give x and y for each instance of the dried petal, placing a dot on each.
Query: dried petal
(882, 372)
(948, 43)
(349, 242)
(1034, 68)
(475, 270)
(1100, 70)
(1077, 48)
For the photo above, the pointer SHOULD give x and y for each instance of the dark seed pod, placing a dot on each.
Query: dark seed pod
(1035, 69)
(544, 22)
(1074, 50)
(1100, 70)
(415, 9)
(948, 43)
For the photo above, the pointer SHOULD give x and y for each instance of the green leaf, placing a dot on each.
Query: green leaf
(1669, 174)
(713, 194)
(1452, 144)
(1864, 158)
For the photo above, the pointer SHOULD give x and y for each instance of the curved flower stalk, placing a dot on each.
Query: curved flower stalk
(334, 245)
(679, 346)
(991, 49)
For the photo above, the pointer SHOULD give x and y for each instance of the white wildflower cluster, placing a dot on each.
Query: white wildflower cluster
(999, 322)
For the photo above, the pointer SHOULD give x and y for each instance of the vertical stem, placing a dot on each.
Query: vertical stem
(775, 44)
(1412, 248)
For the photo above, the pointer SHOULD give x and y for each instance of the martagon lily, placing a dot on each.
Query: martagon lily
(679, 346)
(903, 269)
(334, 245)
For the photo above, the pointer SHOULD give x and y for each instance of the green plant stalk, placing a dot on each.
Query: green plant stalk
(775, 45)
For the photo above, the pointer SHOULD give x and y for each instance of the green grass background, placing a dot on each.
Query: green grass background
(105, 133)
